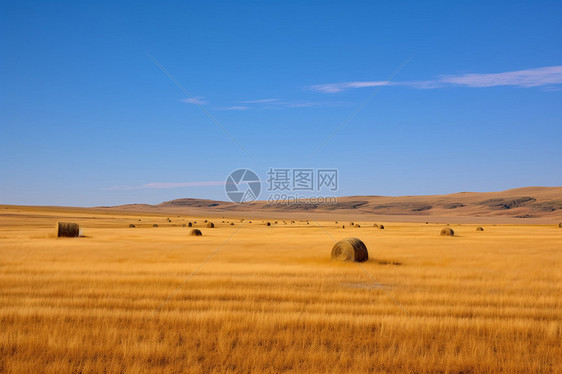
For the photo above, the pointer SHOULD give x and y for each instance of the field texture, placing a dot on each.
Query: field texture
(251, 298)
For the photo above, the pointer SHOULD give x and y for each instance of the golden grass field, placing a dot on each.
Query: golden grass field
(271, 299)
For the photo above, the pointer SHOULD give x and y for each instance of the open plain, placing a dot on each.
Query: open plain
(252, 298)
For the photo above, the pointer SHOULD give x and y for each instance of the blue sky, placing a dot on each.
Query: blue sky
(447, 96)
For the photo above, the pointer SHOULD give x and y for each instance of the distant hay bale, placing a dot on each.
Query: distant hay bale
(169, 220)
(196, 232)
(479, 228)
(560, 225)
(131, 225)
(183, 225)
(189, 224)
(427, 223)
(210, 225)
(375, 226)
(231, 223)
(343, 226)
(249, 221)
(205, 221)
(155, 225)
(358, 226)
(336, 222)
(352, 224)
(139, 219)
(447, 231)
(222, 221)
(268, 224)
(67, 230)
(276, 222)
(381, 227)
(350, 249)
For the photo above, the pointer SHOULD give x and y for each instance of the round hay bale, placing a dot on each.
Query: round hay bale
(375, 226)
(210, 225)
(131, 225)
(381, 227)
(350, 249)
(479, 228)
(169, 220)
(155, 225)
(67, 230)
(276, 222)
(196, 232)
(447, 231)
(231, 223)
(189, 224)
(352, 224)
(268, 224)
(560, 225)
(205, 221)
(358, 226)
(427, 223)
(343, 226)
(183, 225)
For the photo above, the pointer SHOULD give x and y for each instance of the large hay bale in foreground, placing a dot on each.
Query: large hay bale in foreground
(447, 231)
(196, 232)
(350, 249)
(479, 228)
(67, 230)
(210, 225)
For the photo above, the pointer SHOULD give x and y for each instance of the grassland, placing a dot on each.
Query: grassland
(271, 300)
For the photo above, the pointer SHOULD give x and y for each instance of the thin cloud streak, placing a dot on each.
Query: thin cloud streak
(164, 185)
(538, 77)
(236, 107)
(260, 101)
(195, 100)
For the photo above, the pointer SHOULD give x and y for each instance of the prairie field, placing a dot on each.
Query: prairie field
(250, 298)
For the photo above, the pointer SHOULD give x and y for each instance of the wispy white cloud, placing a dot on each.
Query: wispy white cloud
(163, 185)
(260, 101)
(236, 107)
(278, 104)
(523, 78)
(538, 77)
(338, 87)
(196, 100)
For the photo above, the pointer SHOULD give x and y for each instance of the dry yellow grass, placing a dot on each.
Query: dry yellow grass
(271, 300)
